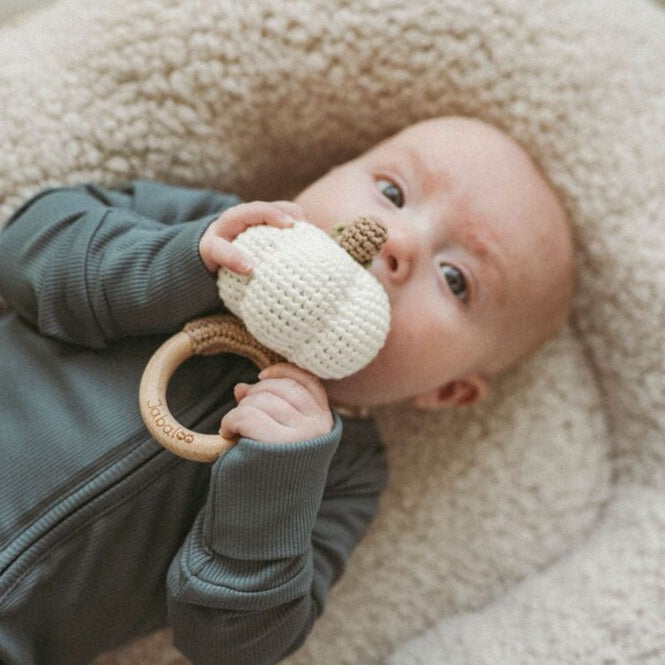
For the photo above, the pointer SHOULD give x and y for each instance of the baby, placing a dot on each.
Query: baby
(103, 534)
(478, 266)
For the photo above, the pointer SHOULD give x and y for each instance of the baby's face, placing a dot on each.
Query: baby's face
(477, 265)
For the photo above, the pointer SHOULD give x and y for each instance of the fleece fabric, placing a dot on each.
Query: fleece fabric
(529, 529)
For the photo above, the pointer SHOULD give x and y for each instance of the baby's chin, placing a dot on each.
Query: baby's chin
(348, 394)
(361, 391)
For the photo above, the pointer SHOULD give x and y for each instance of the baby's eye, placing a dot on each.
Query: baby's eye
(456, 281)
(391, 191)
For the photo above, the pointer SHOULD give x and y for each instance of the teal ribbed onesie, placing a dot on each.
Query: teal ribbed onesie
(104, 535)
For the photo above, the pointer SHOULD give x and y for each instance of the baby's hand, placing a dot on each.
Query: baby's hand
(215, 245)
(288, 404)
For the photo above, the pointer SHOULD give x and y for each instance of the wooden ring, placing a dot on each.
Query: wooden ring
(206, 336)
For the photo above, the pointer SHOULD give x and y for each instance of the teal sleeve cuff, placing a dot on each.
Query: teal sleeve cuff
(264, 498)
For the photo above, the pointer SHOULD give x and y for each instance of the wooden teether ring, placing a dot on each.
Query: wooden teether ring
(206, 336)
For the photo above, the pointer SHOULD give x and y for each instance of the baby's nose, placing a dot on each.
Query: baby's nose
(399, 254)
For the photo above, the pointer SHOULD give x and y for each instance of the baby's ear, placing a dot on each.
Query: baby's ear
(460, 392)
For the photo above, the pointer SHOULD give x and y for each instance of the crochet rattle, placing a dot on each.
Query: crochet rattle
(309, 300)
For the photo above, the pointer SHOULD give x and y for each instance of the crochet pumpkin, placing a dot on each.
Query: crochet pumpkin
(308, 299)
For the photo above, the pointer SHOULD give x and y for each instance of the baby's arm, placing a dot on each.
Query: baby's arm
(279, 522)
(278, 527)
(89, 265)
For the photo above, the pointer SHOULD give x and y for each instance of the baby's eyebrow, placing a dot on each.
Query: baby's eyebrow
(433, 177)
(415, 163)
(477, 245)
(414, 158)
(477, 240)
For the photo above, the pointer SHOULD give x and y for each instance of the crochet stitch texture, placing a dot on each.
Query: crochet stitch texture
(308, 300)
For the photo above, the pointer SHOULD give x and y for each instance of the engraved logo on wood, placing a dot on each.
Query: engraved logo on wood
(163, 421)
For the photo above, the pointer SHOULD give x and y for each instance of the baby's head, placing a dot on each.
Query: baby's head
(478, 266)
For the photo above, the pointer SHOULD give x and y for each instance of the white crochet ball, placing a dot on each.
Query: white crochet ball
(308, 300)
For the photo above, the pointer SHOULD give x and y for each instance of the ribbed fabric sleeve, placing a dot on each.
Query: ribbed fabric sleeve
(88, 265)
(276, 532)
(272, 518)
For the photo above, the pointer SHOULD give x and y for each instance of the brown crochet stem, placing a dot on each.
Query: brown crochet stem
(206, 336)
(363, 238)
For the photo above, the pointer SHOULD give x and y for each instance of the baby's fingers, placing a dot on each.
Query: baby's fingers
(239, 218)
(293, 210)
(310, 384)
(215, 246)
(220, 252)
(250, 422)
(287, 404)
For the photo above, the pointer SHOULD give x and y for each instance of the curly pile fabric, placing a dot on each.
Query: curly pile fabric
(529, 530)
(308, 299)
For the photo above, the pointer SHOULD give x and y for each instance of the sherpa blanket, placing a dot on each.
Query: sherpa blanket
(531, 529)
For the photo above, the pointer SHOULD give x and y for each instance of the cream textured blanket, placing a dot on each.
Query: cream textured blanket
(530, 530)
